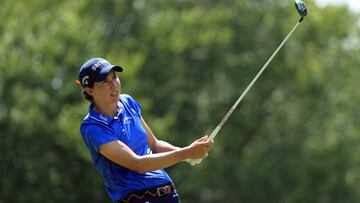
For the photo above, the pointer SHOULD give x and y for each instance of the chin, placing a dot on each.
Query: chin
(116, 98)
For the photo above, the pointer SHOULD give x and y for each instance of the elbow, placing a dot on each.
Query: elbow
(139, 166)
(140, 170)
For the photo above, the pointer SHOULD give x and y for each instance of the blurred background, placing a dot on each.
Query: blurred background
(293, 139)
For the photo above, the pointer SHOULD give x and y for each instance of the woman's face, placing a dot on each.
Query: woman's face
(108, 90)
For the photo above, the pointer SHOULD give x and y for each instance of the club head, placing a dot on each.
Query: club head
(301, 8)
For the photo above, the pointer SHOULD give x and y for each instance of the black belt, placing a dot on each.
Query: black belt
(157, 191)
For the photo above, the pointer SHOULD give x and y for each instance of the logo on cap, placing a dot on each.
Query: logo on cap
(97, 64)
(85, 80)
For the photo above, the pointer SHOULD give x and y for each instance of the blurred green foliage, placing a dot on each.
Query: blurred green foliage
(293, 139)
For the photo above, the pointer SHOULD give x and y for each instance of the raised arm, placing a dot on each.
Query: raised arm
(121, 154)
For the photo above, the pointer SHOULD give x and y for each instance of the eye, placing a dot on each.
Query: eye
(103, 82)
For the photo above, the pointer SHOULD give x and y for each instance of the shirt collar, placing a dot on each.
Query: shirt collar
(103, 118)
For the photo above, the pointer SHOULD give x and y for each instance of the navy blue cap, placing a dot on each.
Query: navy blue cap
(95, 70)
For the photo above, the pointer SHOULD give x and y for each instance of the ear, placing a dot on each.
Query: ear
(89, 91)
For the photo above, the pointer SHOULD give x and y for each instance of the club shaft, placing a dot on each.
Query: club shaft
(226, 117)
(217, 129)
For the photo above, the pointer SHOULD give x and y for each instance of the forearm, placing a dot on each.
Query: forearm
(162, 146)
(121, 154)
(196, 150)
(161, 160)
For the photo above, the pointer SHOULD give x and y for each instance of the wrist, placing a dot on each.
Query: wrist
(184, 153)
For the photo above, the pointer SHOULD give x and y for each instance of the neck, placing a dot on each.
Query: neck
(107, 110)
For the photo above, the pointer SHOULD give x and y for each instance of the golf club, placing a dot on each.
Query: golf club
(301, 8)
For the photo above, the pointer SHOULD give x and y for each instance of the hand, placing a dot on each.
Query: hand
(199, 149)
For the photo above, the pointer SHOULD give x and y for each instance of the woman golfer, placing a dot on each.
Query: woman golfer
(122, 146)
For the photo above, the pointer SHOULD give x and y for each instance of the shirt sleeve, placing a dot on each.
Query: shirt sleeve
(94, 136)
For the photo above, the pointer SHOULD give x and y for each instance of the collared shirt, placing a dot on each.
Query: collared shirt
(98, 129)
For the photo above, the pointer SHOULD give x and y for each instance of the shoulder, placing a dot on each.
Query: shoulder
(90, 126)
(128, 99)
(130, 103)
(95, 134)
(94, 120)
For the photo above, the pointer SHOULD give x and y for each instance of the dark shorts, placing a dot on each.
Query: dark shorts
(161, 194)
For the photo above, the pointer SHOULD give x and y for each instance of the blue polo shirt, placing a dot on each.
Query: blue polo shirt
(97, 129)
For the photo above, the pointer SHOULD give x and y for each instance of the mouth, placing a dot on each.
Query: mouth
(114, 94)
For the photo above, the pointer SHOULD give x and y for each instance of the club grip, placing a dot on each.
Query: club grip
(194, 162)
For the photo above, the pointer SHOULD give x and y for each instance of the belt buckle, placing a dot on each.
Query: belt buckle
(161, 191)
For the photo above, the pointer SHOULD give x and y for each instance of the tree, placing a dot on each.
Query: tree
(292, 139)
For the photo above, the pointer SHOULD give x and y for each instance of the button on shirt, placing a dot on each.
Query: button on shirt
(98, 129)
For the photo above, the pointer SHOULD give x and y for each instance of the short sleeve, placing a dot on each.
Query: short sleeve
(94, 136)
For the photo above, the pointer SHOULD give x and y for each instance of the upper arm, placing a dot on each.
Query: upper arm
(155, 144)
(152, 140)
(96, 135)
(121, 154)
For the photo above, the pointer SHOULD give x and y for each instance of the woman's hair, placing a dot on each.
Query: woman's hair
(88, 96)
